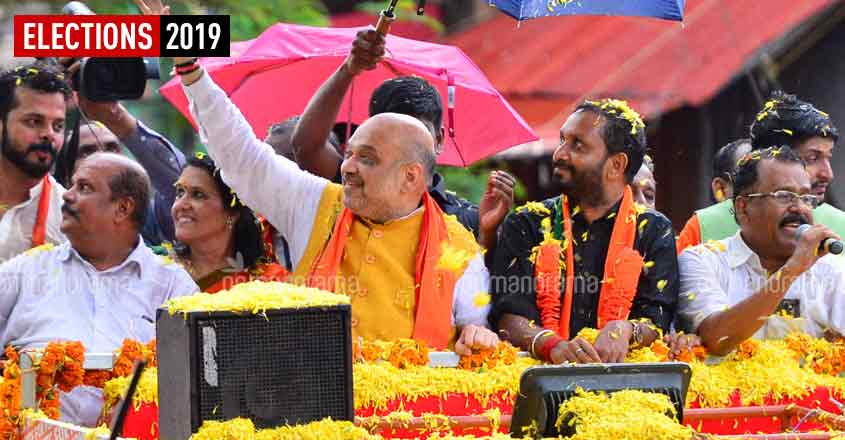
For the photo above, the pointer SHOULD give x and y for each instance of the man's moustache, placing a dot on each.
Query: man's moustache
(45, 147)
(70, 211)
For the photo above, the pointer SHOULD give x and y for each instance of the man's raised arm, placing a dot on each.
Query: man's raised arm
(311, 132)
(268, 183)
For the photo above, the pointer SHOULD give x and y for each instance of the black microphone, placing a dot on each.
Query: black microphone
(829, 244)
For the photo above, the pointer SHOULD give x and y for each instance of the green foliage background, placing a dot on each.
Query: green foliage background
(248, 19)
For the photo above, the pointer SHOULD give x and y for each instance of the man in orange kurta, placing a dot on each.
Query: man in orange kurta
(410, 270)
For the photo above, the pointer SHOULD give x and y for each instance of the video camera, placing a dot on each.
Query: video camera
(110, 79)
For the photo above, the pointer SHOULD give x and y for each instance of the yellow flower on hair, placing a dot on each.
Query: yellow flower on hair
(661, 285)
(200, 155)
(621, 108)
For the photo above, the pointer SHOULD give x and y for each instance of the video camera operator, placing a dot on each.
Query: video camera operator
(103, 118)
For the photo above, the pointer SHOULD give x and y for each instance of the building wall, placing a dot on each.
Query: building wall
(818, 76)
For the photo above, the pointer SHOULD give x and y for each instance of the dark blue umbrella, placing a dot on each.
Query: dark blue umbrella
(525, 9)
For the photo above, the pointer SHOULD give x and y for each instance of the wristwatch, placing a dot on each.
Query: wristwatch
(637, 334)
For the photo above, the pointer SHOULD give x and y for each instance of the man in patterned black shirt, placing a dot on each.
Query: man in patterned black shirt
(550, 280)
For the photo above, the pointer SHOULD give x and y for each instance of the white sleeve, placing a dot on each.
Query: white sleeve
(834, 299)
(11, 281)
(471, 302)
(267, 182)
(700, 294)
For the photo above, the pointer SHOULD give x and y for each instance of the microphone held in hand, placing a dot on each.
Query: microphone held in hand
(829, 244)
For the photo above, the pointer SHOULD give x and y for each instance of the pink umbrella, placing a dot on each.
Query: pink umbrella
(273, 76)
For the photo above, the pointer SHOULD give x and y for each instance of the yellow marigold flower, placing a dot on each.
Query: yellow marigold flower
(146, 392)
(255, 297)
(620, 107)
(623, 414)
(453, 259)
(481, 299)
(546, 224)
(535, 207)
(100, 431)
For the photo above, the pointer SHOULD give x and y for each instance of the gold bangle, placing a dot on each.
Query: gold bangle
(536, 337)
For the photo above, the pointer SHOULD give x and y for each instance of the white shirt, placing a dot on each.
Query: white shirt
(55, 295)
(17, 223)
(717, 276)
(287, 196)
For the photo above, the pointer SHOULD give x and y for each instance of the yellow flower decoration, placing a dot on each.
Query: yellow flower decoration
(200, 155)
(255, 297)
(767, 107)
(535, 208)
(622, 109)
(481, 299)
(661, 285)
(453, 259)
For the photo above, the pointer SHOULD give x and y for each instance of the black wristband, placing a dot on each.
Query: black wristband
(186, 63)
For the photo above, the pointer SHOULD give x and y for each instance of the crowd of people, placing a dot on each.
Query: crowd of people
(371, 219)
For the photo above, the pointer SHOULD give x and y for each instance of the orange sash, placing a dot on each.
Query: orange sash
(622, 270)
(39, 231)
(434, 288)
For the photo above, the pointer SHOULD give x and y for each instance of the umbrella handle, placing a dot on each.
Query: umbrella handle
(385, 19)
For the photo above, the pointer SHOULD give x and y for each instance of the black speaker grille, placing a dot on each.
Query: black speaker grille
(284, 368)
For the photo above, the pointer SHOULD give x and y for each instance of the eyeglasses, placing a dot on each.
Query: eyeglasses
(788, 198)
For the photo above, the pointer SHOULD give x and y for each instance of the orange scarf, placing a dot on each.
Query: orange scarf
(622, 270)
(39, 231)
(434, 288)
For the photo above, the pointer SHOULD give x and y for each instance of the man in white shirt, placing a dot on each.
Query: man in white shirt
(101, 286)
(748, 285)
(381, 209)
(33, 100)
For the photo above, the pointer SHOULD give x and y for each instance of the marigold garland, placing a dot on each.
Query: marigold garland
(504, 354)
(145, 393)
(10, 395)
(401, 353)
(61, 366)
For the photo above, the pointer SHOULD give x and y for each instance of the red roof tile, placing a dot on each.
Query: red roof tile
(544, 66)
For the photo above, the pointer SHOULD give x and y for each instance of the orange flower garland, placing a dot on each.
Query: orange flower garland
(10, 396)
(504, 354)
(747, 349)
(401, 353)
(132, 351)
(60, 366)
